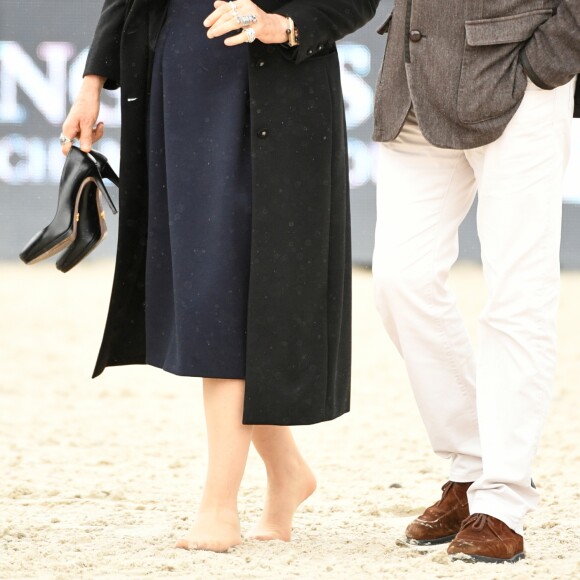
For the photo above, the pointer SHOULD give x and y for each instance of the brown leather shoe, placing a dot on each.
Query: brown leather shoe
(441, 522)
(483, 538)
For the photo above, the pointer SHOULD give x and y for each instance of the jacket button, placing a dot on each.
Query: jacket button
(263, 133)
(320, 47)
(310, 52)
(260, 63)
(415, 35)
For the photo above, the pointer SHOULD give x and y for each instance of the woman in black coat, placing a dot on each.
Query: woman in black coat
(254, 296)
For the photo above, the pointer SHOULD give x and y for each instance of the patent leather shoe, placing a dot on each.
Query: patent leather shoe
(80, 170)
(91, 229)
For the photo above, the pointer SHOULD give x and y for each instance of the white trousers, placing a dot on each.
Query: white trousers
(484, 412)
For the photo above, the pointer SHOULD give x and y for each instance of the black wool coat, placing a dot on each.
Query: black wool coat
(299, 308)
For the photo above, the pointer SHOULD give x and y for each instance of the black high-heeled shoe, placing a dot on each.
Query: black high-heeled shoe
(91, 226)
(80, 169)
(91, 229)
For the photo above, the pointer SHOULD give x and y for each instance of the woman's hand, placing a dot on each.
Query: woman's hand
(80, 122)
(269, 28)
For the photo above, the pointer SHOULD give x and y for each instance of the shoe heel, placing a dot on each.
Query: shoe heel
(101, 186)
(108, 173)
(104, 167)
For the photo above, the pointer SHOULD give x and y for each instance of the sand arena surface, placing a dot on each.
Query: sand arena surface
(100, 477)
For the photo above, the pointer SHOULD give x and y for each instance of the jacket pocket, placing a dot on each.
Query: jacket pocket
(492, 81)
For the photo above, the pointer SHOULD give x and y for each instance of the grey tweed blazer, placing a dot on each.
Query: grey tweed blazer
(464, 64)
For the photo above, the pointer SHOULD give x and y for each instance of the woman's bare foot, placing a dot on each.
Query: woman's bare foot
(283, 497)
(213, 531)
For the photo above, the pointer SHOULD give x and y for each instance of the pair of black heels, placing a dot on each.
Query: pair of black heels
(79, 223)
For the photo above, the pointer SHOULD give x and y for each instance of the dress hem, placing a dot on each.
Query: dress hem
(178, 373)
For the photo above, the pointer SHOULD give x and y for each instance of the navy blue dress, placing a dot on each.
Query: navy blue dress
(198, 247)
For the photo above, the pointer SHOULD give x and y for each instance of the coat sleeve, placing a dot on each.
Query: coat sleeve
(104, 55)
(322, 21)
(551, 57)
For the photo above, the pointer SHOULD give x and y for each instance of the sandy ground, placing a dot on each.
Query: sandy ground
(98, 478)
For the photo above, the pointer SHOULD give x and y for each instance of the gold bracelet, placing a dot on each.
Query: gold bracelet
(292, 32)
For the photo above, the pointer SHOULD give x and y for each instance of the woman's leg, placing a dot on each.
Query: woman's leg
(290, 481)
(217, 525)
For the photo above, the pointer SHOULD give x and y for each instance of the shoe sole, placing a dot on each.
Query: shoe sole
(48, 252)
(426, 543)
(474, 559)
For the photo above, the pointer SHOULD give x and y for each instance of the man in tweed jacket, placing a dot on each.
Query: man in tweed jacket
(475, 95)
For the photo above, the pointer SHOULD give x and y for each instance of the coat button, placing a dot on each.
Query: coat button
(415, 35)
(320, 47)
(309, 52)
(260, 63)
(263, 133)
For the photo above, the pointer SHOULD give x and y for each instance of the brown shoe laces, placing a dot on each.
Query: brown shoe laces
(445, 489)
(478, 522)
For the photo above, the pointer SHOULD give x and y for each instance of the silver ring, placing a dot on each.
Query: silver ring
(64, 139)
(250, 34)
(246, 20)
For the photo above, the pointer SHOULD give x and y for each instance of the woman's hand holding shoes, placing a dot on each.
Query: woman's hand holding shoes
(81, 122)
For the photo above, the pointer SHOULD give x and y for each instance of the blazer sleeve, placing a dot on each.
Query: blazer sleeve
(551, 57)
(104, 57)
(323, 21)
